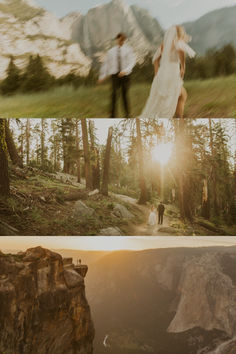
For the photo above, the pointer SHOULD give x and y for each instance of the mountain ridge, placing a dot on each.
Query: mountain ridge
(213, 30)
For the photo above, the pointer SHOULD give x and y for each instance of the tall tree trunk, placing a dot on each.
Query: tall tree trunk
(106, 163)
(27, 136)
(142, 182)
(37, 151)
(88, 178)
(22, 143)
(179, 159)
(94, 159)
(4, 176)
(64, 147)
(205, 200)
(77, 152)
(182, 149)
(16, 159)
(42, 141)
(214, 176)
(96, 170)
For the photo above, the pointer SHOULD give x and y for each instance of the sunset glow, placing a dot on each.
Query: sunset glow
(111, 243)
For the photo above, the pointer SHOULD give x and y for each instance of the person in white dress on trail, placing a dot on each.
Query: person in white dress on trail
(167, 95)
(152, 220)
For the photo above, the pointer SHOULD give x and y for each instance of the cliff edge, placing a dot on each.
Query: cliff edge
(43, 307)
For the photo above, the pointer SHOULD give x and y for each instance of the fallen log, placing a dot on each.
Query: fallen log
(210, 227)
(83, 195)
(7, 230)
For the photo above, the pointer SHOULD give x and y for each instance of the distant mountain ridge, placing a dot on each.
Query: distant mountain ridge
(213, 30)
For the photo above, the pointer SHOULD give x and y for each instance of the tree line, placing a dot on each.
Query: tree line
(199, 178)
(215, 63)
(35, 77)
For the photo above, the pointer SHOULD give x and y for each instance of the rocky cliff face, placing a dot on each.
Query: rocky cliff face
(97, 29)
(43, 308)
(26, 29)
(157, 300)
(213, 304)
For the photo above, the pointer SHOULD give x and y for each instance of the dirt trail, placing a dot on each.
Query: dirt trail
(144, 229)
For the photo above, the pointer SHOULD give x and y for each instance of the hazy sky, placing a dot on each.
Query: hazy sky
(112, 243)
(168, 12)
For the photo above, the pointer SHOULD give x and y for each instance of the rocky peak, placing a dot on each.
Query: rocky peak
(28, 30)
(43, 304)
(213, 306)
(97, 29)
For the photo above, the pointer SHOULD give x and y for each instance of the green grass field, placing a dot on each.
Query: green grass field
(206, 98)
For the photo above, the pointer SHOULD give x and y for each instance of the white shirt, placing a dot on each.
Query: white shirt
(110, 65)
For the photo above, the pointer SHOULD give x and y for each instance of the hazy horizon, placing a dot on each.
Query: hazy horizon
(112, 243)
(167, 12)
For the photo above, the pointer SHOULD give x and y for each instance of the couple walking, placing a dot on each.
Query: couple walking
(152, 220)
(167, 95)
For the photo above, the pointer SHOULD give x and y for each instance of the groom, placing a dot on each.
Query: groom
(119, 63)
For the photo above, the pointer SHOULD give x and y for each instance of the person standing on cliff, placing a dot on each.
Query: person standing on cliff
(118, 64)
(161, 209)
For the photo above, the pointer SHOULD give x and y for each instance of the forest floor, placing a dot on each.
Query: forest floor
(206, 98)
(43, 204)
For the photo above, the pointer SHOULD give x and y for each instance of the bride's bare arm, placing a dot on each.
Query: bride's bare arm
(182, 63)
(156, 65)
(156, 62)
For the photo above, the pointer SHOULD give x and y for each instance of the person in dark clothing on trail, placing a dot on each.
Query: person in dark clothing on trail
(161, 209)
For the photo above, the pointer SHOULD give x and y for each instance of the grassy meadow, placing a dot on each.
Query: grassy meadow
(206, 98)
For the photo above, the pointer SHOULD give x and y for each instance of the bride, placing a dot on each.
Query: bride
(168, 96)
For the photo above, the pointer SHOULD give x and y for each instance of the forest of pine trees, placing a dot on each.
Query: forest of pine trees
(35, 77)
(199, 178)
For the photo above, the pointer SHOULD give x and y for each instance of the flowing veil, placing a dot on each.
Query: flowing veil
(164, 74)
(167, 84)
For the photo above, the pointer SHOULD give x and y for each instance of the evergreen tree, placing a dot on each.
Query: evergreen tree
(36, 77)
(12, 82)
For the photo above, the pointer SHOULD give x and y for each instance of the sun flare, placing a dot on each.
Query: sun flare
(162, 153)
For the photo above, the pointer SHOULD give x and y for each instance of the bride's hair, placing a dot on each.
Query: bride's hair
(181, 33)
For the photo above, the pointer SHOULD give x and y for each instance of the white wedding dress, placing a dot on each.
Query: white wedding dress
(167, 84)
(152, 220)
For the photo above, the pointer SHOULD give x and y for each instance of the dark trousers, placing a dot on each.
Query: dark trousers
(123, 84)
(160, 218)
